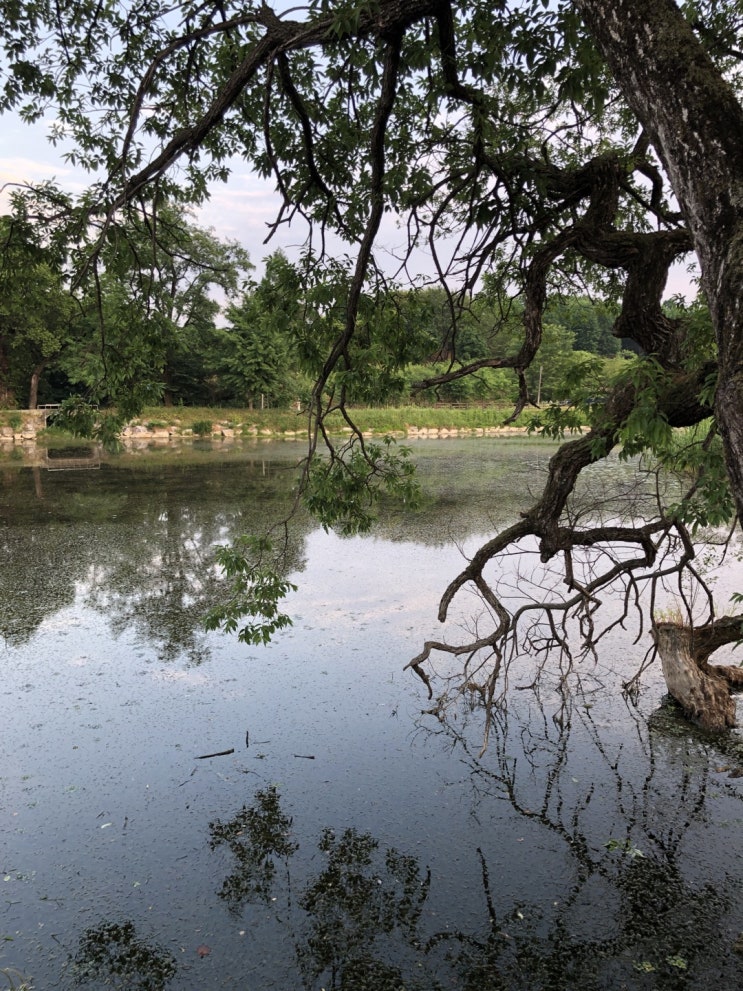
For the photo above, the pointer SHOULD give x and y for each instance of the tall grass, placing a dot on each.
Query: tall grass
(377, 420)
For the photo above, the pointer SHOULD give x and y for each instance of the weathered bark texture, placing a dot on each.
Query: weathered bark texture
(33, 390)
(696, 125)
(702, 690)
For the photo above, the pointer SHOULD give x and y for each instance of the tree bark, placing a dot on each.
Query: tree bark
(33, 391)
(696, 125)
(167, 386)
(702, 690)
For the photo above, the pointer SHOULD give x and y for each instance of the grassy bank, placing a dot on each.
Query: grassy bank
(378, 421)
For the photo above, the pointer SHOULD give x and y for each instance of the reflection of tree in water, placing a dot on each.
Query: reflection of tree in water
(353, 906)
(630, 917)
(161, 580)
(37, 578)
(622, 837)
(659, 926)
(357, 913)
(258, 837)
(141, 540)
(112, 954)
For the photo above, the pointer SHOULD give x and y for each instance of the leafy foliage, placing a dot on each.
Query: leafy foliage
(342, 491)
(257, 364)
(646, 428)
(257, 589)
(697, 456)
(37, 314)
(202, 428)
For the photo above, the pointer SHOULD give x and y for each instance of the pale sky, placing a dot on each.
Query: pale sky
(241, 209)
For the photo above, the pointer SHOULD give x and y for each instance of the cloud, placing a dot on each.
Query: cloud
(243, 209)
(18, 169)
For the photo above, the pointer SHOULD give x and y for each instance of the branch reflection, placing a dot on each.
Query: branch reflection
(619, 827)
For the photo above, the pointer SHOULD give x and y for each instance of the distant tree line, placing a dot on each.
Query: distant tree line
(171, 315)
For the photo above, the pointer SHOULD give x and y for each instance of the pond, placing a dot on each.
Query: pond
(340, 838)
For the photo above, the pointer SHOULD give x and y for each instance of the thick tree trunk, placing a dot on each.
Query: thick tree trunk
(702, 690)
(167, 386)
(696, 125)
(33, 391)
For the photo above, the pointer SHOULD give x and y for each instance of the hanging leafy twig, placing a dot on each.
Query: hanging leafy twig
(257, 589)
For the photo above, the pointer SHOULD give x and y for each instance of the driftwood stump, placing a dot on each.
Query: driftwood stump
(701, 689)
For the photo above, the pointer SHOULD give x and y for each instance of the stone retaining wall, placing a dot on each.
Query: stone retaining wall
(31, 422)
(24, 431)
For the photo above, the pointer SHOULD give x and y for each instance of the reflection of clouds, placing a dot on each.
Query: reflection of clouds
(62, 621)
(369, 577)
(81, 661)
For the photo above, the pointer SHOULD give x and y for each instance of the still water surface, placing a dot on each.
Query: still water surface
(348, 842)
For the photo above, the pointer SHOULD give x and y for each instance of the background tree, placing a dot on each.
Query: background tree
(591, 323)
(140, 325)
(502, 139)
(37, 313)
(151, 305)
(257, 365)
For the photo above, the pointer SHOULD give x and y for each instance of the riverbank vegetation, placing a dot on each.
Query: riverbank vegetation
(207, 420)
(131, 338)
(381, 420)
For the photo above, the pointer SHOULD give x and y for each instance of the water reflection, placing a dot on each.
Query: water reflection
(350, 920)
(630, 815)
(140, 543)
(590, 848)
(258, 838)
(80, 458)
(623, 825)
(355, 906)
(113, 955)
(138, 538)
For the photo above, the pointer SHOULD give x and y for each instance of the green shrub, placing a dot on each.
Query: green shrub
(202, 427)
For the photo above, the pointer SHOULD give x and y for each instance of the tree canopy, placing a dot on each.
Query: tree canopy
(539, 149)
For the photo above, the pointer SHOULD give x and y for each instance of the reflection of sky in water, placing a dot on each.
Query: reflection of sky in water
(106, 807)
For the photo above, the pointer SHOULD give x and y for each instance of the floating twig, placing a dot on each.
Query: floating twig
(305, 756)
(187, 779)
(219, 753)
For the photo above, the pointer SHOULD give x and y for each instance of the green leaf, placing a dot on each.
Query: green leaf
(344, 489)
(256, 590)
